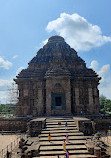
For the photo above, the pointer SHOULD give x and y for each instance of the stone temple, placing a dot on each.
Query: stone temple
(57, 82)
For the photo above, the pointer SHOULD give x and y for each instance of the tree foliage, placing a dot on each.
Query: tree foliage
(7, 108)
(105, 104)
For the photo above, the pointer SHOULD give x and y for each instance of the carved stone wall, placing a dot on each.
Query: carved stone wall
(31, 98)
(51, 86)
(13, 124)
(57, 73)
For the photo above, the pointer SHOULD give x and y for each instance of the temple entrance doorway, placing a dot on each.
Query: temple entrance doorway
(58, 101)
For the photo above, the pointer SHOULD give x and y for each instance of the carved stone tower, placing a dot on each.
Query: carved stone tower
(57, 82)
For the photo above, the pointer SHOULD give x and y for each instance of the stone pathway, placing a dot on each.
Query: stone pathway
(75, 146)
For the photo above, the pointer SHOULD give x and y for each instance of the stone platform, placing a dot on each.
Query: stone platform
(75, 145)
(41, 147)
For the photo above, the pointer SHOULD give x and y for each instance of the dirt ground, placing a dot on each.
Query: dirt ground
(6, 140)
(107, 140)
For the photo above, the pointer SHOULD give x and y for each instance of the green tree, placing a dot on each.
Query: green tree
(102, 99)
(105, 104)
(7, 108)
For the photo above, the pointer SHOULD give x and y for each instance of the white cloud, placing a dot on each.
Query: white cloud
(3, 94)
(5, 90)
(44, 42)
(105, 82)
(104, 70)
(5, 82)
(104, 73)
(4, 85)
(94, 65)
(5, 63)
(19, 70)
(15, 56)
(78, 32)
(105, 90)
(3, 97)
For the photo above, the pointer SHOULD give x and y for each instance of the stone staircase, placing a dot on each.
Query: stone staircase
(75, 146)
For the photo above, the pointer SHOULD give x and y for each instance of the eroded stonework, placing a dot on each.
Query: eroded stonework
(57, 82)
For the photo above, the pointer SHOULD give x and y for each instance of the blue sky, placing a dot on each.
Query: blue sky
(26, 24)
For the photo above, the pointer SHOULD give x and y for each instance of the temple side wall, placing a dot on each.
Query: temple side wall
(31, 98)
(85, 97)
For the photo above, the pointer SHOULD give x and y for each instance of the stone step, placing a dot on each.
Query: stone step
(75, 146)
(61, 134)
(73, 142)
(59, 131)
(60, 119)
(71, 156)
(60, 128)
(62, 152)
(62, 138)
(60, 147)
(62, 123)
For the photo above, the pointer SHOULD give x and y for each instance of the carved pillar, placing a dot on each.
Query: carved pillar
(77, 100)
(68, 97)
(48, 97)
(40, 107)
(96, 96)
(90, 99)
(36, 99)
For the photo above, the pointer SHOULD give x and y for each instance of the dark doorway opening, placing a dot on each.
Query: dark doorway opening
(58, 101)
